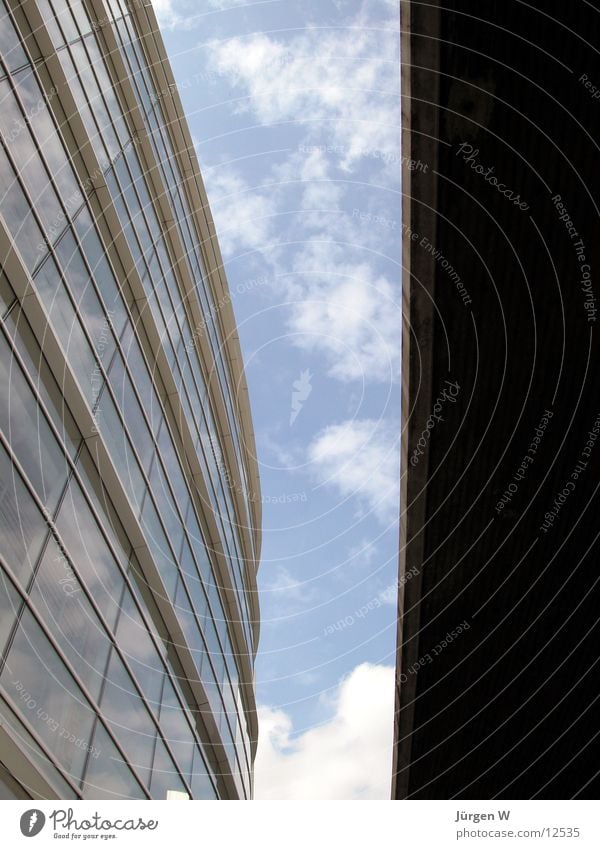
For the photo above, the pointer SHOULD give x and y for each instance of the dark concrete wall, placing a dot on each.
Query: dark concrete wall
(509, 707)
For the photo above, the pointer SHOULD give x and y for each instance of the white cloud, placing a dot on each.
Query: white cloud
(165, 13)
(342, 83)
(183, 14)
(364, 554)
(286, 589)
(243, 214)
(360, 458)
(341, 87)
(346, 312)
(347, 757)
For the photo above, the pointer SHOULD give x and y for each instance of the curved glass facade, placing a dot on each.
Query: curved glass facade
(129, 538)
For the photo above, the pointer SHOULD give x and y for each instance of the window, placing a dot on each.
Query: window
(61, 602)
(10, 607)
(18, 216)
(164, 774)
(7, 296)
(10, 45)
(34, 103)
(45, 384)
(27, 429)
(101, 270)
(176, 730)
(139, 651)
(125, 714)
(68, 329)
(86, 300)
(35, 754)
(107, 776)
(88, 550)
(202, 785)
(29, 166)
(22, 526)
(45, 694)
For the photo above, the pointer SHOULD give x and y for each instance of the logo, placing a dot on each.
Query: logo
(32, 822)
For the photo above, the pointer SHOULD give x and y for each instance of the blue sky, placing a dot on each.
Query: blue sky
(295, 111)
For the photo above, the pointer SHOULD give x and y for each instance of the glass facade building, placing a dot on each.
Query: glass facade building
(129, 492)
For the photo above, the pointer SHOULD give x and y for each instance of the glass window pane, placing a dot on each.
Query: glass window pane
(47, 14)
(164, 500)
(22, 526)
(34, 753)
(107, 776)
(140, 374)
(46, 386)
(126, 715)
(176, 730)
(88, 550)
(132, 413)
(68, 329)
(83, 108)
(28, 163)
(7, 296)
(139, 651)
(80, 16)
(84, 67)
(189, 626)
(10, 607)
(157, 542)
(101, 270)
(43, 691)
(61, 10)
(61, 603)
(35, 105)
(27, 429)
(119, 447)
(202, 785)
(86, 300)
(146, 598)
(96, 60)
(10, 46)
(101, 502)
(19, 217)
(164, 774)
